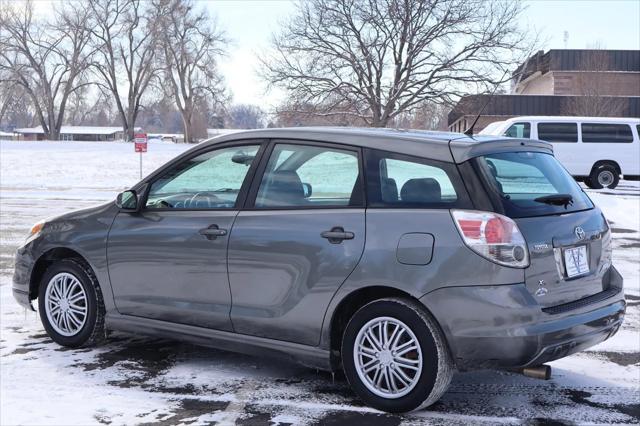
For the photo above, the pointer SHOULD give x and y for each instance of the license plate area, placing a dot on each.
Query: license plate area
(576, 261)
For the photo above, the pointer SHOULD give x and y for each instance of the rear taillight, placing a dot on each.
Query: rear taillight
(493, 236)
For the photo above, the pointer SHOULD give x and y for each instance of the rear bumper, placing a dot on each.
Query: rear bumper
(503, 326)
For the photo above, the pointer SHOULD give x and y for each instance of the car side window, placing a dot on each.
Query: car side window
(207, 181)
(558, 132)
(606, 133)
(519, 130)
(403, 181)
(304, 176)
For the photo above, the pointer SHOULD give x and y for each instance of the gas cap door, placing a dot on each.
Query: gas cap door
(415, 248)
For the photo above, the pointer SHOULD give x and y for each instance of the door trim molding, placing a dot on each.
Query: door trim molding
(310, 356)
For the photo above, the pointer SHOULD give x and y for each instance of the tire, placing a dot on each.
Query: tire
(82, 327)
(423, 383)
(587, 182)
(604, 176)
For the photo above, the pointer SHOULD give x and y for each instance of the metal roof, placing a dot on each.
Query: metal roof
(516, 105)
(580, 60)
(576, 118)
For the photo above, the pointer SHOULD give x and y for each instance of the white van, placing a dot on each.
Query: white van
(595, 150)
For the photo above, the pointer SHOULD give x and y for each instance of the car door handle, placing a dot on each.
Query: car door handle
(337, 235)
(213, 232)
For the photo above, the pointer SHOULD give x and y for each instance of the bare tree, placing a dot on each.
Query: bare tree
(191, 46)
(45, 59)
(243, 116)
(7, 94)
(295, 114)
(385, 57)
(429, 116)
(15, 106)
(125, 39)
(86, 107)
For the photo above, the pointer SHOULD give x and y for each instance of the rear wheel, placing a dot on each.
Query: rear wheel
(70, 304)
(395, 357)
(604, 176)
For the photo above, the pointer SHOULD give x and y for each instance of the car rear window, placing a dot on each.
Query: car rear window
(522, 180)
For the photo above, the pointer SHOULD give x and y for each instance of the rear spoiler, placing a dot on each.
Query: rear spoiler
(463, 149)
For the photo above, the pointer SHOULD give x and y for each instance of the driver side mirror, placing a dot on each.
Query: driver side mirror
(127, 201)
(307, 189)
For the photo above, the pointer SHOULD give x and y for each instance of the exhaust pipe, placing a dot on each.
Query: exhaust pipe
(542, 372)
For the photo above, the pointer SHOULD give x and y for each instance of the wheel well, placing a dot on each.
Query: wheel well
(607, 162)
(349, 305)
(44, 262)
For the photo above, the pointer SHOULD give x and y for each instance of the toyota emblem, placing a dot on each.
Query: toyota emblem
(579, 233)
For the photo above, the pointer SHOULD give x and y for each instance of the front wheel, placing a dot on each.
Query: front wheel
(395, 357)
(70, 304)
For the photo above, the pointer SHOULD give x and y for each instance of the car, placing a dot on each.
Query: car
(395, 256)
(595, 150)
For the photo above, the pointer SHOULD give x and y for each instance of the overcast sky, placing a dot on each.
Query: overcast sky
(608, 24)
(250, 23)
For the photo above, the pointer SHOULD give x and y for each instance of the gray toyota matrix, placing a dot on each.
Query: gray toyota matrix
(396, 256)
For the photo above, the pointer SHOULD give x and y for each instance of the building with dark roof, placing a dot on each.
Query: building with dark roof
(601, 83)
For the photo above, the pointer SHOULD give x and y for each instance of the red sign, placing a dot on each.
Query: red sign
(140, 142)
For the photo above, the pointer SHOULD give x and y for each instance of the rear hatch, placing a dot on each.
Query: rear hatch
(568, 238)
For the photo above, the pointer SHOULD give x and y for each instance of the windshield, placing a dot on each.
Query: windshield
(491, 128)
(532, 184)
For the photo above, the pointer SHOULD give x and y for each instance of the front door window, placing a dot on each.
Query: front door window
(208, 181)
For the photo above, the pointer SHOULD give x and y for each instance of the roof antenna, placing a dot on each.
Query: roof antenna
(469, 131)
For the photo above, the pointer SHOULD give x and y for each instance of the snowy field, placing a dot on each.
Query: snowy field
(137, 380)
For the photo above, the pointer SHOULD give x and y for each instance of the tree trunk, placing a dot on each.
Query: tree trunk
(129, 133)
(130, 124)
(186, 122)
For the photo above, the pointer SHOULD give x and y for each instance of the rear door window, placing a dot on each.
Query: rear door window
(606, 133)
(519, 130)
(396, 180)
(531, 184)
(306, 176)
(558, 132)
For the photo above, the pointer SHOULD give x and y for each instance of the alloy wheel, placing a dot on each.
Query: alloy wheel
(388, 357)
(66, 304)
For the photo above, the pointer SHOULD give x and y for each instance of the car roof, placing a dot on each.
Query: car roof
(576, 119)
(442, 146)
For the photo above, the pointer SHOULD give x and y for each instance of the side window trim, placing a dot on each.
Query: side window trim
(252, 193)
(242, 195)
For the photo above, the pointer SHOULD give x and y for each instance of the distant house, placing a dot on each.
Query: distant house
(576, 82)
(6, 136)
(75, 133)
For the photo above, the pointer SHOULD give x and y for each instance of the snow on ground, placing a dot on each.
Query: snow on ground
(138, 380)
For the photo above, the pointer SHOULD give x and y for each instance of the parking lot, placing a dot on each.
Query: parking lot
(138, 380)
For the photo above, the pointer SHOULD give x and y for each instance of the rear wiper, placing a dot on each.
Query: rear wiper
(556, 200)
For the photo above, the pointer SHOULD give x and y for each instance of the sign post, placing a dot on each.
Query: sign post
(140, 145)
